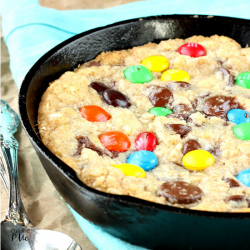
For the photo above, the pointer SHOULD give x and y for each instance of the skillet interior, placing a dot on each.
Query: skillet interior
(140, 222)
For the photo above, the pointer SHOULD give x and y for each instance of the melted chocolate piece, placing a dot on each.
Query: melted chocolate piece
(235, 198)
(99, 87)
(238, 198)
(217, 151)
(219, 105)
(181, 111)
(180, 192)
(178, 164)
(180, 129)
(225, 73)
(180, 84)
(195, 103)
(93, 63)
(84, 140)
(190, 145)
(232, 183)
(115, 98)
(161, 97)
(181, 108)
(246, 115)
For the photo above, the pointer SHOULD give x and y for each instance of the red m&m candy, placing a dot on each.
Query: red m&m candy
(192, 50)
(145, 141)
(94, 113)
(115, 141)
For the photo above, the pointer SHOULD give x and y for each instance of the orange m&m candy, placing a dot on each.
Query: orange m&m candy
(94, 113)
(115, 141)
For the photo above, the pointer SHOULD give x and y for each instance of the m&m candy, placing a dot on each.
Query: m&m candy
(145, 141)
(94, 113)
(115, 141)
(159, 111)
(243, 79)
(156, 63)
(131, 170)
(197, 159)
(192, 50)
(138, 74)
(145, 159)
(242, 131)
(244, 177)
(175, 75)
(238, 116)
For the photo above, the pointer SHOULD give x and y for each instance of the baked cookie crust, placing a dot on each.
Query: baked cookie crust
(63, 129)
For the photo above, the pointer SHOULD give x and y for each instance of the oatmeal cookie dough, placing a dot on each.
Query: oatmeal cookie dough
(198, 121)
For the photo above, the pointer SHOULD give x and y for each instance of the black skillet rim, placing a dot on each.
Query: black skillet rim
(68, 172)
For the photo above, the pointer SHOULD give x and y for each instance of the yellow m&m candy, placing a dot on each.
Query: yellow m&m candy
(197, 160)
(155, 63)
(175, 75)
(131, 170)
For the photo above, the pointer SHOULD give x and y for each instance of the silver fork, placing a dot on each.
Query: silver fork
(17, 231)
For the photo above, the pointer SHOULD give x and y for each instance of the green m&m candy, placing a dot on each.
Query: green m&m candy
(242, 131)
(243, 79)
(138, 74)
(159, 111)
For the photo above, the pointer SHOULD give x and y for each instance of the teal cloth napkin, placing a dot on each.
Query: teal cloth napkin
(31, 30)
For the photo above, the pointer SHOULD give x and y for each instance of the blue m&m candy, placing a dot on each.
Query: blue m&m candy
(144, 159)
(244, 177)
(238, 116)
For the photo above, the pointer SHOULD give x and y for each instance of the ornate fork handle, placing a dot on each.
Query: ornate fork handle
(3, 172)
(16, 212)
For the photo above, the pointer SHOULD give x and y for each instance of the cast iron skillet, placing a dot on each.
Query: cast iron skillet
(137, 221)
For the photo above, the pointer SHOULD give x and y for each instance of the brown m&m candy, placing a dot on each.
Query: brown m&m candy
(180, 192)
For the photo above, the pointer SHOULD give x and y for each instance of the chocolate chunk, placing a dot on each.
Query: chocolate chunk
(180, 192)
(181, 111)
(178, 164)
(247, 115)
(84, 140)
(161, 97)
(195, 103)
(115, 154)
(219, 105)
(181, 108)
(225, 73)
(217, 151)
(220, 62)
(99, 87)
(236, 198)
(232, 183)
(180, 84)
(190, 145)
(93, 63)
(115, 98)
(180, 129)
